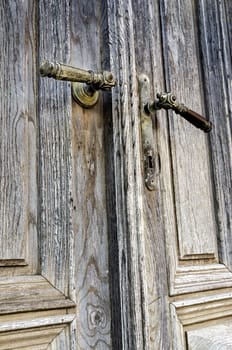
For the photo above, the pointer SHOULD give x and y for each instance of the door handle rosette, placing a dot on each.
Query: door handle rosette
(85, 84)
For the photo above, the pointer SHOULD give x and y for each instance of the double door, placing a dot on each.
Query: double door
(90, 257)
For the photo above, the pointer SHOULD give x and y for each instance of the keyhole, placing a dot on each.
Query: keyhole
(150, 162)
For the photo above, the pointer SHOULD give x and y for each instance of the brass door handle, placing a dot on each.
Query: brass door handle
(85, 84)
(168, 101)
(151, 161)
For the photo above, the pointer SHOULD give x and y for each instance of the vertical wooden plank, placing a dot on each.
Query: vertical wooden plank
(125, 196)
(149, 61)
(18, 188)
(89, 188)
(54, 146)
(189, 150)
(226, 13)
(112, 223)
(215, 35)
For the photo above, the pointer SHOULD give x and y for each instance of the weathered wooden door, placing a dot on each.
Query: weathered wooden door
(54, 290)
(89, 257)
(179, 239)
(174, 243)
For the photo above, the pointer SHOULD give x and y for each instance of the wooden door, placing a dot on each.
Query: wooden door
(54, 289)
(90, 258)
(176, 255)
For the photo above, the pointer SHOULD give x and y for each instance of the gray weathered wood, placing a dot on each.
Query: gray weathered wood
(169, 146)
(132, 260)
(54, 144)
(54, 160)
(18, 191)
(30, 293)
(189, 151)
(30, 301)
(62, 338)
(217, 71)
(211, 338)
(210, 53)
(125, 193)
(89, 188)
(149, 61)
(193, 316)
(38, 338)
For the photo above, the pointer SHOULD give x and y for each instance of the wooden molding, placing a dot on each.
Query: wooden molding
(34, 336)
(197, 278)
(30, 293)
(204, 308)
(32, 313)
(197, 313)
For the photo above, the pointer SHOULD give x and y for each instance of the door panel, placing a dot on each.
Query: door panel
(185, 72)
(184, 231)
(34, 305)
(195, 234)
(206, 321)
(18, 138)
(54, 245)
(217, 70)
(54, 141)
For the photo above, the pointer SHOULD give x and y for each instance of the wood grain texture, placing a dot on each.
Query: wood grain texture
(18, 210)
(194, 316)
(24, 297)
(28, 293)
(180, 267)
(55, 172)
(125, 185)
(55, 148)
(149, 61)
(212, 338)
(89, 189)
(35, 339)
(196, 278)
(103, 238)
(189, 150)
(181, 29)
(19, 331)
(215, 37)
(193, 313)
(204, 308)
(36, 322)
(61, 341)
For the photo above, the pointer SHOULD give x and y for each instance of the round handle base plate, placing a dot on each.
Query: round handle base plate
(82, 95)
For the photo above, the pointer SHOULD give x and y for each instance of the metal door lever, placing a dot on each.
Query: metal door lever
(85, 84)
(168, 101)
